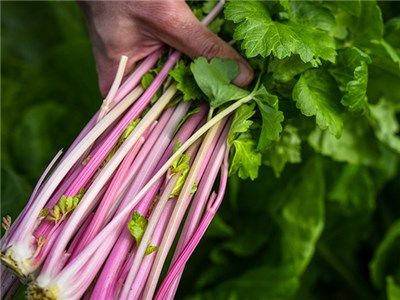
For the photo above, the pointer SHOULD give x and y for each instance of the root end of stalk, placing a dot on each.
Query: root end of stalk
(36, 292)
(11, 264)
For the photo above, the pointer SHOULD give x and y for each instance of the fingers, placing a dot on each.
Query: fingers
(181, 30)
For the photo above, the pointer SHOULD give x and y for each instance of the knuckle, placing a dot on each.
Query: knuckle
(211, 48)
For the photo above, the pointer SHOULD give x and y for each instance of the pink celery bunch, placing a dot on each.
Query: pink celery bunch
(101, 222)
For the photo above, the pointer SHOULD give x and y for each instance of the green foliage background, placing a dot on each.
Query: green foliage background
(322, 230)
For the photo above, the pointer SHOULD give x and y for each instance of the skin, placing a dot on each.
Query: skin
(137, 28)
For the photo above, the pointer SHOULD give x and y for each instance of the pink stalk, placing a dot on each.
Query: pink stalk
(163, 134)
(107, 201)
(147, 235)
(212, 208)
(177, 215)
(8, 279)
(83, 278)
(52, 264)
(145, 266)
(147, 262)
(9, 293)
(72, 249)
(197, 208)
(28, 222)
(5, 239)
(109, 232)
(135, 78)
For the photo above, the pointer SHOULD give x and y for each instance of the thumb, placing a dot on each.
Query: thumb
(190, 36)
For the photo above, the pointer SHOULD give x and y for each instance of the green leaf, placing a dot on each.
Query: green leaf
(150, 249)
(351, 73)
(312, 15)
(352, 7)
(186, 83)
(302, 217)
(245, 159)
(353, 191)
(392, 289)
(287, 149)
(179, 184)
(263, 36)
(241, 122)
(137, 226)
(271, 118)
(284, 70)
(214, 79)
(385, 260)
(180, 164)
(392, 32)
(316, 94)
(356, 146)
(384, 122)
(384, 72)
(369, 25)
(147, 79)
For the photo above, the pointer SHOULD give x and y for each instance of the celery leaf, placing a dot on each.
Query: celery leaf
(245, 158)
(316, 94)
(137, 226)
(214, 79)
(186, 84)
(261, 35)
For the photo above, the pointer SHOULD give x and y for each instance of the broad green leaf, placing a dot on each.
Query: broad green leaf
(287, 149)
(302, 217)
(392, 32)
(186, 83)
(214, 79)
(271, 118)
(263, 36)
(356, 147)
(369, 25)
(384, 121)
(260, 282)
(384, 72)
(316, 94)
(385, 260)
(353, 191)
(351, 73)
(241, 122)
(284, 70)
(137, 226)
(245, 159)
(352, 7)
(312, 14)
(392, 289)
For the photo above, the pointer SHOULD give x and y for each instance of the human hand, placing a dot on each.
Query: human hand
(137, 28)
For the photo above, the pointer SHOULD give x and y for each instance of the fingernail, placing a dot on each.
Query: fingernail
(245, 76)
